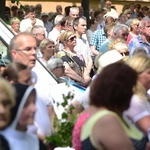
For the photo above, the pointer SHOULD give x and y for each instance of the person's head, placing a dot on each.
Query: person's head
(98, 14)
(128, 13)
(38, 32)
(55, 65)
(38, 9)
(74, 12)
(57, 21)
(44, 17)
(109, 20)
(59, 9)
(144, 26)
(137, 7)
(132, 7)
(81, 11)
(24, 110)
(18, 72)
(15, 24)
(108, 5)
(122, 18)
(23, 49)
(47, 47)
(119, 45)
(93, 24)
(113, 87)
(120, 31)
(20, 14)
(7, 102)
(69, 24)
(68, 39)
(134, 26)
(108, 29)
(80, 25)
(14, 10)
(139, 50)
(31, 12)
(141, 64)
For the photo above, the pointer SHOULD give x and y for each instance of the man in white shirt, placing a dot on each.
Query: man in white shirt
(30, 21)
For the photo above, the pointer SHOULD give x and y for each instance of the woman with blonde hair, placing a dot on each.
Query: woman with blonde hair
(134, 29)
(47, 48)
(139, 110)
(75, 67)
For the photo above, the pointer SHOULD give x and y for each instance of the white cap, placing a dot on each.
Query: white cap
(109, 57)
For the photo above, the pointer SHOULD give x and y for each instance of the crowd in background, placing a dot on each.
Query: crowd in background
(110, 59)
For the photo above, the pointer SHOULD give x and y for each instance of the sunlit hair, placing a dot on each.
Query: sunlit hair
(139, 62)
(112, 88)
(8, 89)
(134, 21)
(45, 42)
(13, 20)
(65, 35)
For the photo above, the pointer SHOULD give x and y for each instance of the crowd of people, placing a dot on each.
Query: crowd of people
(111, 60)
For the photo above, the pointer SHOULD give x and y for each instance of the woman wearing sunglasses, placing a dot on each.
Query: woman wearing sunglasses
(74, 63)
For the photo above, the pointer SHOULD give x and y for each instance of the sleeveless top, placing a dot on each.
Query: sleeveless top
(136, 136)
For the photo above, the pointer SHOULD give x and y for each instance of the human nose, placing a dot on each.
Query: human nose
(2, 109)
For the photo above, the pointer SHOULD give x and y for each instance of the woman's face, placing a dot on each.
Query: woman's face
(135, 28)
(27, 114)
(71, 41)
(49, 50)
(5, 106)
(144, 78)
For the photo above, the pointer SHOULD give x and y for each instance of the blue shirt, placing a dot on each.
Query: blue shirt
(98, 37)
(138, 42)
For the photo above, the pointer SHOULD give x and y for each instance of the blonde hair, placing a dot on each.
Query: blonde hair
(13, 20)
(118, 44)
(44, 43)
(134, 21)
(139, 62)
(8, 89)
(64, 36)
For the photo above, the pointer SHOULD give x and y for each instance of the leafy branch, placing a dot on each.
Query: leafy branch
(62, 135)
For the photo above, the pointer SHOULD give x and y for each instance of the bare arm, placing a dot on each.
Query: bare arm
(144, 124)
(90, 64)
(93, 50)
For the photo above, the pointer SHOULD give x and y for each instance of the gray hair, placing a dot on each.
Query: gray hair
(118, 28)
(74, 8)
(143, 21)
(36, 29)
(53, 63)
(58, 19)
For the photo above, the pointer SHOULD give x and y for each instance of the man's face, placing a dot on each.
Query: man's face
(31, 15)
(81, 27)
(146, 29)
(26, 50)
(74, 14)
(40, 35)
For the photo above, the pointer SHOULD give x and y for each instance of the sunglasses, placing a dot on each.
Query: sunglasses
(63, 67)
(125, 53)
(72, 38)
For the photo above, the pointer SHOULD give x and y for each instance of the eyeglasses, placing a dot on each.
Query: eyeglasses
(63, 67)
(41, 34)
(27, 49)
(72, 38)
